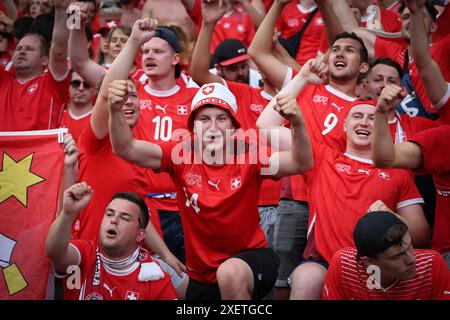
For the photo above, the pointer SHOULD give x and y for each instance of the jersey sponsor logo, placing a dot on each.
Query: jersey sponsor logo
(109, 289)
(384, 175)
(337, 107)
(226, 25)
(182, 110)
(235, 183)
(94, 296)
(320, 99)
(163, 109)
(292, 23)
(256, 108)
(208, 89)
(132, 295)
(33, 88)
(340, 167)
(364, 171)
(145, 104)
(215, 185)
(194, 179)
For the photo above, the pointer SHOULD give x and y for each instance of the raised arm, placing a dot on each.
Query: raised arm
(11, 9)
(188, 4)
(78, 49)
(347, 20)
(384, 153)
(261, 47)
(58, 49)
(430, 73)
(300, 158)
(211, 11)
(57, 248)
(255, 14)
(143, 30)
(143, 153)
(332, 24)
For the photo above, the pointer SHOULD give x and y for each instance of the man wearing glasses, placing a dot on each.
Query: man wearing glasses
(76, 117)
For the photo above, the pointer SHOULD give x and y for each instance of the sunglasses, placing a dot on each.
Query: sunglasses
(76, 84)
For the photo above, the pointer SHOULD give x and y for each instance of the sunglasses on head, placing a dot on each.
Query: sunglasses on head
(76, 84)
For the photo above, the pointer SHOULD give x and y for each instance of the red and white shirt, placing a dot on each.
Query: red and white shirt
(435, 145)
(36, 104)
(291, 21)
(440, 52)
(235, 24)
(219, 207)
(107, 174)
(162, 114)
(75, 124)
(341, 188)
(348, 280)
(101, 282)
(391, 21)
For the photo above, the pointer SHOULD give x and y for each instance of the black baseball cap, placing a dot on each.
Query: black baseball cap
(230, 51)
(171, 37)
(370, 233)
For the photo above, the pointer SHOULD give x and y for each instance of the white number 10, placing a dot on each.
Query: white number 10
(163, 128)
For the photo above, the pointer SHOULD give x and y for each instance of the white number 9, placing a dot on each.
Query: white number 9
(330, 122)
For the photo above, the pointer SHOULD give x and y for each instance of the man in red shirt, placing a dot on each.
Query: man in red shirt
(426, 152)
(33, 93)
(226, 250)
(76, 117)
(114, 267)
(385, 266)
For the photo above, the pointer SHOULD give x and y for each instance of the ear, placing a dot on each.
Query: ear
(219, 72)
(176, 59)
(364, 67)
(44, 61)
(141, 235)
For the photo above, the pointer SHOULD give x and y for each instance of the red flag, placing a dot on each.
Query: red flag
(31, 164)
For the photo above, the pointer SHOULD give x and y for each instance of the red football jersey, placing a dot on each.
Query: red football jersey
(161, 114)
(390, 20)
(107, 174)
(251, 102)
(440, 52)
(33, 105)
(349, 280)
(75, 124)
(100, 282)
(404, 126)
(236, 24)
(435, 145)
(292, 20)
(341, 188)
(219, 210)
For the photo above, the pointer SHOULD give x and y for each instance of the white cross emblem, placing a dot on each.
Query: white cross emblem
(383, 175)
(182, 110)
(131, 295)
(235, 183)
(208, 89)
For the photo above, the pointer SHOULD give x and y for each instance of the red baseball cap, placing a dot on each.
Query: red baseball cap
(217, 95)
(230, 51)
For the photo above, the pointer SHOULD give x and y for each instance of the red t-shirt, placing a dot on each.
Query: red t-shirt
(348, 280)
(440, 52)
(75, 124)
(236, 24)
(404, 126)
(443, 27)
(107, 174)
(118, 284)
(34, 105)
(161, 114)
(345, 186)
(390, 20)
(435, 145)
(219, 210)
(251, 102)
(292, 20)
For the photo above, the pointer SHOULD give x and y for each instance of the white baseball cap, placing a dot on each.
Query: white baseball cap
(216, 95)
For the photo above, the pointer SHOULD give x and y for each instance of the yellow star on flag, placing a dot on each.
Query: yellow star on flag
(16, 178)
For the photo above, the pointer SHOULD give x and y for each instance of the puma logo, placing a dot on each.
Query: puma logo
(364, 171)
(163, 109)
(109, 289)
(337, 107)
(216, 185)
